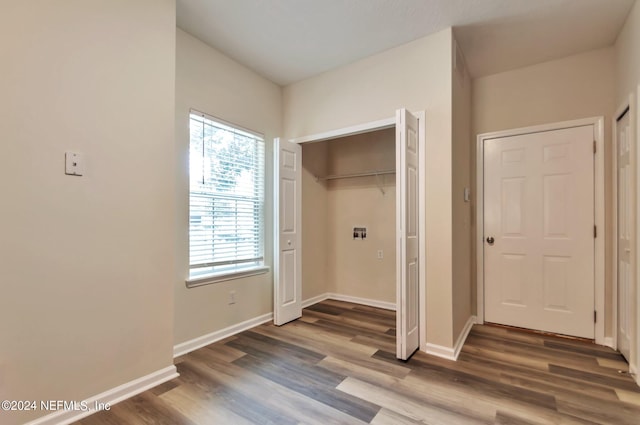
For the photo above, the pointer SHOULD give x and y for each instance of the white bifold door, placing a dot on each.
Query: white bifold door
(407, 233)
(539, 231)
(288, 242)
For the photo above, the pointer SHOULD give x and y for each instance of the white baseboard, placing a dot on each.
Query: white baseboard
(608, 342)
(315, 300)
(440, 351)
(201, 341)
(364, 301)
(633, 371)
(463, 335)
(452, 353)
(350, 299)
(108, 398)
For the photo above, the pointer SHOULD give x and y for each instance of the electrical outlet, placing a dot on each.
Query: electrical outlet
(380, 254)
(232, 297)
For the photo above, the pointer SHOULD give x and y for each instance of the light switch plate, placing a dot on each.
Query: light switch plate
(73, 164)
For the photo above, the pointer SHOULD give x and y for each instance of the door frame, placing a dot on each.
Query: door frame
(381, 125)
(635, 366)
(628, 103)
(599, 209)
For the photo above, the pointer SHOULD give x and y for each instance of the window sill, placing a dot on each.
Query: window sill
(221, 277)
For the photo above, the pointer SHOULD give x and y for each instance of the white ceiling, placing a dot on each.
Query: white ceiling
(290, 40)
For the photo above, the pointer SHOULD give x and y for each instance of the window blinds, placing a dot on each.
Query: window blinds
(226, 225)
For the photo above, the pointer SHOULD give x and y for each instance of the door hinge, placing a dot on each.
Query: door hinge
(595, 231)
(595, 316)
(594, 146)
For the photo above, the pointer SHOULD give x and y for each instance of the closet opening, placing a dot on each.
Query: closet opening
(349, 222)
(349, 218)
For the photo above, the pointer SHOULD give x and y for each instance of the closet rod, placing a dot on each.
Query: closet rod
(348, 176)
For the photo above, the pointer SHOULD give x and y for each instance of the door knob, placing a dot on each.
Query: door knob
(490, 240)
(289, 242)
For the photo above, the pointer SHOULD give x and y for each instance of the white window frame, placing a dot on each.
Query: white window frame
(238, 272)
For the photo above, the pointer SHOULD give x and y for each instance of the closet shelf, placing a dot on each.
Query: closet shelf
(349, 176)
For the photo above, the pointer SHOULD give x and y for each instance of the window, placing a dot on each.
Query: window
(226, 201)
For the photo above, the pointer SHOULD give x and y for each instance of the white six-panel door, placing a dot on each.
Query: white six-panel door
(539, 231)
(288, 256)
(626, 225)
(407, 213)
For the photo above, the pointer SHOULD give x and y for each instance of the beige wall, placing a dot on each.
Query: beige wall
(87, 262)
(354, 268)
(417, 76)
(578, 86)
(461, 172)
(627, 80)
(314, 221)
(574, 87)
(210, 82)
(627, 49)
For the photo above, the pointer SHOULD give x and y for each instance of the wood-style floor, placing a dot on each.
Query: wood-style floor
(336, 365)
